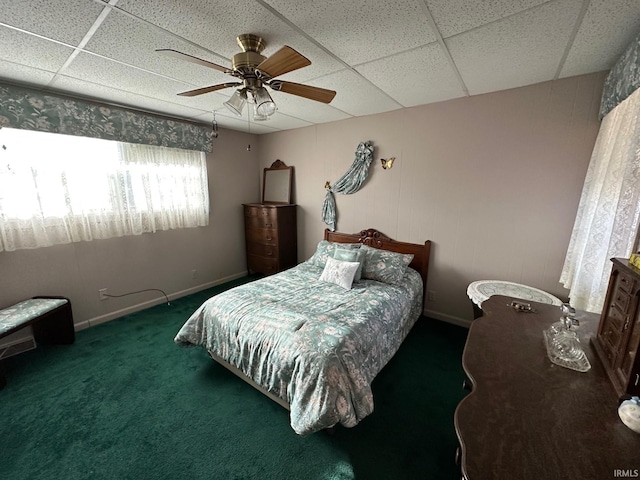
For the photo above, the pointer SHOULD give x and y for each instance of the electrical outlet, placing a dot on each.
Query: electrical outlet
(103, 294)
(431, 295)
(194, 274)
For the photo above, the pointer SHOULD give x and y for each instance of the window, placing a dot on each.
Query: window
(60, 189)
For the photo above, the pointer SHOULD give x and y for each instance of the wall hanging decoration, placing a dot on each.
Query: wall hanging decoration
(387, 163)
(349, 183)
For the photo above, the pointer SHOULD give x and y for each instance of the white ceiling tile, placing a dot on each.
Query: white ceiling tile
(307, 110)
(282, 121)
(359, 31)
(233, 122)
(426, 67)
(108, 94)
(495, 44)
(215, 24)
(34, 51)
(99, 70)
(355, 95)
(130, 41)
(15, 72)
(66, 21)
(617, 21)
(456, 16)
(520, 50)
(278, 121)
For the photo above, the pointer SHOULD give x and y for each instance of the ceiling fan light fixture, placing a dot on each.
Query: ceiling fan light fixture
(265, 106)
(258, 117)
(236, 102)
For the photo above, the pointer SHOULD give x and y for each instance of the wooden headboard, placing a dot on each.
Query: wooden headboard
(376, 239)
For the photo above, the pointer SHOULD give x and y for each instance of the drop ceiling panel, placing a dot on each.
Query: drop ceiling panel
(359, 31)
(281, 121)
(493, 44)
(215, 25)
(34, 51)
(123, 38)
(278, 121)
(307, 110)
(121, 97)
(356, 95)
(516, 51)
(426, 66)
(65, 21)
(233, 122)
(616, 21)
(99, 70)
(456, 16)
(14, 72)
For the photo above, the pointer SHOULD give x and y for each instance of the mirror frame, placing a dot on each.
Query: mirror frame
(283, 192)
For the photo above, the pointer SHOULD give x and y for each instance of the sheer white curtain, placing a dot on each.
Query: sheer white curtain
(608, 213)
(58, 189)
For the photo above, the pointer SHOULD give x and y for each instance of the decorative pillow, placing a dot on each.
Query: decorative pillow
(325, 250)
(340, 273)
(385, 266)
(350, 255)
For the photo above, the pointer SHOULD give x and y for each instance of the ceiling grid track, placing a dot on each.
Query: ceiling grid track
(324, 49)
(572, 37)
(443, 47)
(80, 47)
(162, 30)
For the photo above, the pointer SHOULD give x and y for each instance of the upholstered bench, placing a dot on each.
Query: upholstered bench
(50, 317)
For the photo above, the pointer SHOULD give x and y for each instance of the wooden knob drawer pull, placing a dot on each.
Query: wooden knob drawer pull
(268, 225)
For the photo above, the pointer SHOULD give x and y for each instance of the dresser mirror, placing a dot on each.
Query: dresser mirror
(277, 184)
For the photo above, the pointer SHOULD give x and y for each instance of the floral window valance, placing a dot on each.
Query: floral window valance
(47, 112)
(623, 79)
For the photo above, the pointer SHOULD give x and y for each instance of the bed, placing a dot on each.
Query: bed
(309, 344)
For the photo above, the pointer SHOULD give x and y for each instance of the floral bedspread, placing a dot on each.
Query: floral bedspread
(311, 343)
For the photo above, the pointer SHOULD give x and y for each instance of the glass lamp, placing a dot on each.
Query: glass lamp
(236, 102)
(265, 105)
(257, 117)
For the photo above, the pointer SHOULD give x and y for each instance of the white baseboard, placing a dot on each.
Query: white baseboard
(92, 322)
(461, 322)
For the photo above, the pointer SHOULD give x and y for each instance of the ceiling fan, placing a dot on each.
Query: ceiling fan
(256, 71)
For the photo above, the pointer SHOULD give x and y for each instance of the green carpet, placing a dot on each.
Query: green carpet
(125, 402)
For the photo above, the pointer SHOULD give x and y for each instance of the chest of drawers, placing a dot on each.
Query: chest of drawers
(270, 237)
(618, 334)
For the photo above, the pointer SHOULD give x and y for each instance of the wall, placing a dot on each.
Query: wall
(163, 260)
(493, 180)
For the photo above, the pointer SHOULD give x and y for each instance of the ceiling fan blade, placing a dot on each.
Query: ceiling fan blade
(313, 93)
(192, 59)
(283, 61)
(212, 88)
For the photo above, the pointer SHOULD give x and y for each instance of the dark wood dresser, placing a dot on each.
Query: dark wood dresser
(619, 332)
(270, 237)
(529, 419)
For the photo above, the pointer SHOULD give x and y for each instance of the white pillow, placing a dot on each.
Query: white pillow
(350, 255)
(339, 272)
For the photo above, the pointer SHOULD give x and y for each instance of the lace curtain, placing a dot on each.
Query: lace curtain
(57, 189)
(609, 209)
(349, 183)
